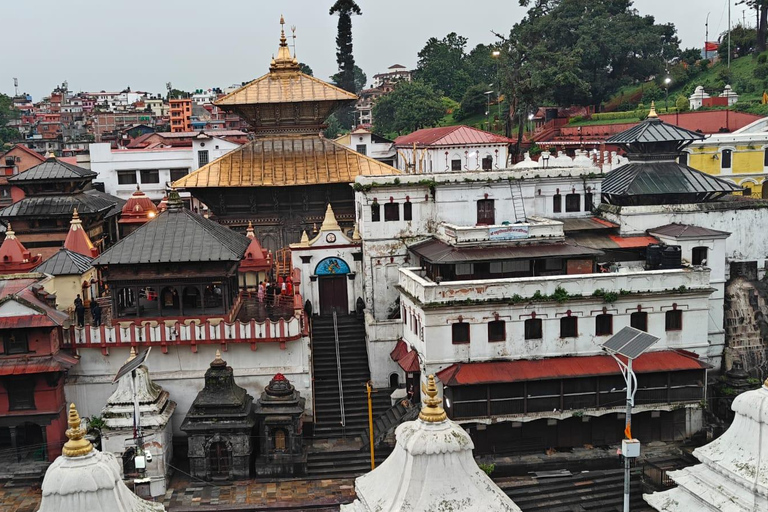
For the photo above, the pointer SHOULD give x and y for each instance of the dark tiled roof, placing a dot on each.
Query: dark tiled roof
(656, 178)
(53, 169)
(653, 130)
(65, 263)
(681, 231)
(177, 237)
(89, 202)
(119, 202)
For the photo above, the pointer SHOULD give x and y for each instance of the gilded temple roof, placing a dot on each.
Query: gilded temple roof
(285, 161)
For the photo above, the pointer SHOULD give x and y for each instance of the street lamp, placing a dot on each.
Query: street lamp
(488, 108)
(667, 81)
(628, 343)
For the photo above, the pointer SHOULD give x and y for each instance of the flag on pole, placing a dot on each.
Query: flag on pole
(765, 97)
(628, 431)
(711, 46)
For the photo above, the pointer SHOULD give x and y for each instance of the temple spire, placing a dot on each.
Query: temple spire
(77, 444)
(432, 411)
(329, 222)
(652, 114)
(284, 61)
(77, 239)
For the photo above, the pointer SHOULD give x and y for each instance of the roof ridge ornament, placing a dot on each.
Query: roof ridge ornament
(329, 222)
(174, 201)
(652, 113)
(10, 234)
(432, 411)
(284, 62)
(77, 444)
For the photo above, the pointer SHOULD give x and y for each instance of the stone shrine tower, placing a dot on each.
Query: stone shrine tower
(219, 426)
(279, 412)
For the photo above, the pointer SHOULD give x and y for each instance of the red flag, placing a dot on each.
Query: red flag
(711, 46)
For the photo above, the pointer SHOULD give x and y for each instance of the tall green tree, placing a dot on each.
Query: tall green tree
(442, 65)
(360, 79)
(411, 106)
(344, 57)
(7, 114)
(761, 9)
(305, 69)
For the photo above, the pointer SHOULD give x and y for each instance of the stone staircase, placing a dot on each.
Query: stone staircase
(354, 374)
(402, 411)
(593, 491)
(343, 464)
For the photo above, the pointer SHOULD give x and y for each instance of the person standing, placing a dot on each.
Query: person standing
(95, 313)
(261, 292)
(79, 311)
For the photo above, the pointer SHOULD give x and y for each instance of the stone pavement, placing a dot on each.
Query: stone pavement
(186, 495)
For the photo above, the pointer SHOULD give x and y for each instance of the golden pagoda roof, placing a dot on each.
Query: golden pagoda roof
(285, 83)
(285, 161)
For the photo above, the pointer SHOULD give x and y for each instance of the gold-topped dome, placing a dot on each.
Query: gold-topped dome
(432, 411)
(77, 444)
(652, 114)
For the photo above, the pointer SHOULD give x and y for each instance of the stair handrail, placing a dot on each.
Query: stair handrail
(338, 370)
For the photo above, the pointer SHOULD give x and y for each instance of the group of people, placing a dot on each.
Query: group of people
(269, 293)
(80, 312)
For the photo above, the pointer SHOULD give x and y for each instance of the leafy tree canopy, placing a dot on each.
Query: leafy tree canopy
(7, 114)
(306, 69)
(442, 65)
(743, 42)
(360, 79)
(473, 102)
(410, 107)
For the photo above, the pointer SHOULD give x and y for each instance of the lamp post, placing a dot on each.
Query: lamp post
(488, 108)
(628, 343)
(667, 81)
(495, 54)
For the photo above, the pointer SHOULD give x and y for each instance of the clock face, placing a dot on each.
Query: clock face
(330, 238)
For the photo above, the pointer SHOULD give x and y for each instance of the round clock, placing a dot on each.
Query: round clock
(330, 238)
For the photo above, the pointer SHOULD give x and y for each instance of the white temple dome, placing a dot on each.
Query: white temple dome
(430, 469)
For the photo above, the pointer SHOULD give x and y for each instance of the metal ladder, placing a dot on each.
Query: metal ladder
(338, 372)
(518, 204)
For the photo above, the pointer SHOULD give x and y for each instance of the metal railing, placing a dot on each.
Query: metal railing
(656, 476)
(338, 371)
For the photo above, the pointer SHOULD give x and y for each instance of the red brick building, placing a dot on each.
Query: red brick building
(32, 368)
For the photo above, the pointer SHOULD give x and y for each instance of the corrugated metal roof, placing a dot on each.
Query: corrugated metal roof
(467, 374)
(683, 231)
(24, 365)
(53, 169)
(662, 178)
(89, 202)
(284, 88)
(436, 251)
(65, 263)
(177, 237)
(286, 161)
(653, 130)
(609, 241)
(451, 136)
(586, 224)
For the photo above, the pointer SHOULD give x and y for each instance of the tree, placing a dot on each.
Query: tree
(481, 65)
(304, 68)
(743, 42)
(473, 102)
(690, 55)
(360, 79)
(7, 114)
(442, 65)
(178, 93)
(409, 107)
(761, 33)
(332, 127)
(344, 58)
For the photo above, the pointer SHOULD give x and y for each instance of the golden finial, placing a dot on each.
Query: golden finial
(283, 40)
(355, 233)
(132, 355)
(218, 361)
(304, 239)
(432, 411)
(329, 222)
(9, 233)
(77, 444)
(75, 215)
(652, 114)
(283, 62)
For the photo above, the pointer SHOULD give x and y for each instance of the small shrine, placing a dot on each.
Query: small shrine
(85, 479)
(281, 447)
(155, 411)
(77, 239)
(431, 468)
(332, 260)
(256, 264)
(14, 257)
(137, 211)
(219, 427)
(733, 474)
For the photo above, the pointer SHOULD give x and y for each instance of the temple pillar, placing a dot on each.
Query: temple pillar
(14, 445)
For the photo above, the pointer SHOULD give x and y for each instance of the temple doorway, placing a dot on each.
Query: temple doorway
(333, 295)
(219, 460)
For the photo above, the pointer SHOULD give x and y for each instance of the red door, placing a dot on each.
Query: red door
(485, 212)
(333, 295)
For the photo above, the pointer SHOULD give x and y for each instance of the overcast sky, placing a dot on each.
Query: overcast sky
(109, 45)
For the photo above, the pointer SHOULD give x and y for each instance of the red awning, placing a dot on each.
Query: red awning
(401, 348)
(467, 374)
(410, 362)
(24, 365)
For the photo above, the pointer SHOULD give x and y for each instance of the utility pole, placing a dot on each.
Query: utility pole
(729, 34)
(706, 36)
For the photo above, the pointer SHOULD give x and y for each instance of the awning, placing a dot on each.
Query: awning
(401, 348)
(24, 365)
(26, 321)
(494, 372)
(410, 362)
(586, 224)
(436, 251)
(605, 241)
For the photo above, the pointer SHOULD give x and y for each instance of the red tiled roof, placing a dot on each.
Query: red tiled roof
(451, 136)
(465, 374)
(630, 242)
(23, 365)
(25, 149)
(401, 348)
(410, 362)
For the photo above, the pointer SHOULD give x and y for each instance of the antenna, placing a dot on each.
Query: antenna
(15, 86)
(293, 36)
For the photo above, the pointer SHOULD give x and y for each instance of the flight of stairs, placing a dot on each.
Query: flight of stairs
(387, 422)
(343, 464)
(354, 374)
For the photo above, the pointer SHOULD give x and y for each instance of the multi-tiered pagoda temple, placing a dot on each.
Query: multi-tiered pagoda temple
(283, 180)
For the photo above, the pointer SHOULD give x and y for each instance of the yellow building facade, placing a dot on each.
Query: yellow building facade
(740, 157)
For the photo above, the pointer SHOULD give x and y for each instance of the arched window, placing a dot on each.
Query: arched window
(394, 380)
